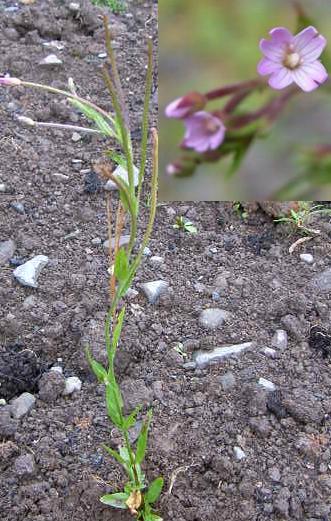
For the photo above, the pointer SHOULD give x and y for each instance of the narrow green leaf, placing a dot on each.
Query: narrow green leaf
(154, 490)
(119, 159)
(142, 439)
(117, 330)
(115, 455)
(131, 419)
(116, 500)
(121, 265)
(113, 405)
(93, 115)
(97, 368)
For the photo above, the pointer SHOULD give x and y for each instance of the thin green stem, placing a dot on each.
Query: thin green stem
(148, 91)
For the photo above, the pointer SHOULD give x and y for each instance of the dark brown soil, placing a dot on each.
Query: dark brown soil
(239, 265)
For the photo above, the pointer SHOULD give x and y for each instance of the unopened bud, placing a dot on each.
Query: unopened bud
(10, 82)
(181, 168)
(26, 121)
(186, 106)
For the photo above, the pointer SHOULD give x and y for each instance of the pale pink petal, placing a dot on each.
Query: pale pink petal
(281, 35)
(314, 49)
(216, 140)
(304, 37)
(281, 79)
(316, 71)
(272, 50)
(267, 66)
(303, 80)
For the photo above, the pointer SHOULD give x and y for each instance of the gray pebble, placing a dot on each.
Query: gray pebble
(213, 318)
(279, 340)
(154, 289)
(22, 405)
(24, 465)
(227, 381)
(27, 274)
(321, 283)
(122, 174)
(124, 240)
(307, 258)
(50, 61)
(7, 250)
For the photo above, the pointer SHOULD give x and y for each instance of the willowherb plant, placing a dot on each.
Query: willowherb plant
(291, 61)
(138, 496)
(299, 218)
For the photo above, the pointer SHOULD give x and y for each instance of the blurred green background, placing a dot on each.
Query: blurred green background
(209, 43)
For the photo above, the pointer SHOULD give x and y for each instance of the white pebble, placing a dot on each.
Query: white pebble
(72, 384)
(267, 384)
(239, 453)
(27, 274)
(307, 257)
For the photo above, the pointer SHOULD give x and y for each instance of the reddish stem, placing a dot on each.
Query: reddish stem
(235, 87)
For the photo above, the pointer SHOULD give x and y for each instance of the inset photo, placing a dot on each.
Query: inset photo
(244, 99)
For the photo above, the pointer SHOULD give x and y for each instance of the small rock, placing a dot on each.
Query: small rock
(279, 340)
(3, 188)
(271, 353)
(29, 302)
(51, 386)
(92, 183)
(239, 454)
(50, 61)
(76, 137)
(307, 257)
(147, 252)
(270, 386)
(57, 368)
(54, 44)
(274, 474)
(131, 293)
(304, 407)
(74, 7)
(321, 283)
(7, 250)
(227, 381)
(204, 358)
(154, 289)
(24, 465)
(8, 425)
(18, 207)
(2, 401)
(156, 260)
(102, 55)
(124, 240)
(293, 326)
(11, 34)
(122, 174)
(22, 405)
(72, 384)
(135, 393)
(27, 274)
(213, 318)
(96, 241)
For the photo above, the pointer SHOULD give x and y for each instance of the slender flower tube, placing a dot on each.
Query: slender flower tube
(204, 132)
(185, 106)
(293, 59)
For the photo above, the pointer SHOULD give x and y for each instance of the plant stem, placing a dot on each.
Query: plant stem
(235, 87)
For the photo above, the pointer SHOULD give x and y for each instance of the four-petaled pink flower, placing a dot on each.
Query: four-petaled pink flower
(204, 132)
(293, 59)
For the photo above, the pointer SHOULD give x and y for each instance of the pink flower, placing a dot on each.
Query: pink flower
(10, 82)
(185, 106)
(204, 132)
(293, 59)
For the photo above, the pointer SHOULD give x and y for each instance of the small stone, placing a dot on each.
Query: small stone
(304, 407)
(96, 241)
(102, 55)
(50, 61)
(147, 252)
(227, 381)
(307, 257)
(267, 384)
(8, 425)
(22, 405)
(76, 137)
(274, 474)
(51, 386)
(279, 340)
(213, 318)
(131, 293)
(199, 287)
(3, 188)
(92, 183)
(24, 465)
(74, 7)
(154, 289)
(18, 207)
(7, 250)
(271, 353)
(239, 454)
(122, 174)
(29, 302)
(156, 260)
(54, 44)
(135, 393)
(72, 384)
(204, 358)
(321, 283)
(57, 368)
(124, 240)
(2, 401)
(293, 326)
(27, 274)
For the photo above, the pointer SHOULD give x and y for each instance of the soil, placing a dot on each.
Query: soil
(52, 465)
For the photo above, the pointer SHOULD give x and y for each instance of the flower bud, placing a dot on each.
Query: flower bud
(10, 82)
(186, 106)
(181, 168)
